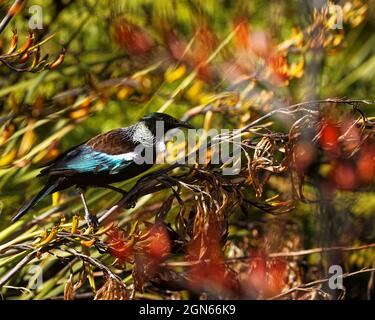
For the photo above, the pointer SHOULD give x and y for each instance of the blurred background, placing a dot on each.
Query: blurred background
(118, 60)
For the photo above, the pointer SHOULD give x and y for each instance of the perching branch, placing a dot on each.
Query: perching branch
(13, 10)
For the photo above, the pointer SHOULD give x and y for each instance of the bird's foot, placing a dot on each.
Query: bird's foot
(92, 221)
(131, 204)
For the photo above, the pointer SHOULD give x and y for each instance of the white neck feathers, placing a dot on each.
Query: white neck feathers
(143, 135)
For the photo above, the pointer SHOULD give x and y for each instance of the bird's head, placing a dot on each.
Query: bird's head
(151, 120)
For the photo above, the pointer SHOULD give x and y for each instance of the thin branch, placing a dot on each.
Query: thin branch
(320, 281)
(30, 256)
(276, 255)
(13, 10)
(146, 185)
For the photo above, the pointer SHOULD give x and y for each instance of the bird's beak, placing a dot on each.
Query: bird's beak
(184, 124)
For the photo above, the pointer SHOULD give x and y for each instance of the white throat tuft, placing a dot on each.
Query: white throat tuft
(143, 135)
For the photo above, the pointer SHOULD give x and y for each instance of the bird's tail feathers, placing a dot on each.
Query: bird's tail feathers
(48, 189)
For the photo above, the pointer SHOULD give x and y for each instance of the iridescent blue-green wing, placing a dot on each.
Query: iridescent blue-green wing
(86, 160)
(109, 152)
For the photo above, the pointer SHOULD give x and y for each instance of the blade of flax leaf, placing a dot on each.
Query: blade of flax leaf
(365, 71)
(186, 82)
(69, 70)
(43, 145)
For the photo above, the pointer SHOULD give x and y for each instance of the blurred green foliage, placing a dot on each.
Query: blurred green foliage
(77, 100)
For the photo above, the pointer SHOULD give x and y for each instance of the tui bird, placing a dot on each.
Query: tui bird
(107, 158)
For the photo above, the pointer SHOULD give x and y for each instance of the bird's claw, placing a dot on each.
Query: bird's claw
(131, 204)
(92, 221)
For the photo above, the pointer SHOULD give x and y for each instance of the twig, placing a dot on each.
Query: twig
(18, 266)
(94, 262)
(320, 281)
(321, 250)
(275, 255)
(13, 10)
(144, 186)
(308, 251)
